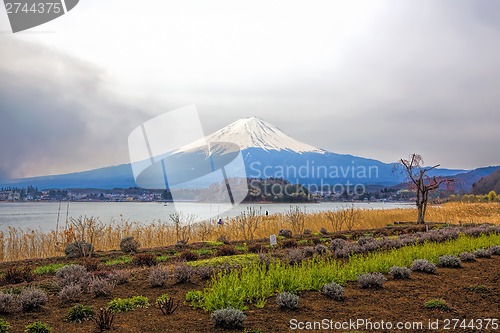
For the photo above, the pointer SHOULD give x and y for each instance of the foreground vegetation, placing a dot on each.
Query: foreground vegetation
(256, 282)
(18, 244)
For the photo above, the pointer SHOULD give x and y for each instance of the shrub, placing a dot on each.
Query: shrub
(104, 319)
(119, 276)
(91, 264)
(285, 233)
(144, 259)
(128, 304)
(158, 276)
(229, 318)
(289, 243)
(400, 273)
(14, 275)
(38, 327)
(365, 240)
(371, 280)
(467, 257)
(224, 239)
(70, 293)
(309, 251)
(423, 265)
(79, 249)
(31, 299)
(72, 274)
(482, 253)
(257, 248)
(204, 272)
(183, 273)
(449, 261)
(287, 300)
(166, 304)
(4, 326)
(334, 290)
(338, 243)
(294, 256)
(495, 250)
(48, 269)
(436, 304)
(478, 288)
(79, 313)
(194, 297)
(7, 303)
(189, 255)
(321, 249)
(129, 244)
(226, 250)
(323, 231)
(100, 287)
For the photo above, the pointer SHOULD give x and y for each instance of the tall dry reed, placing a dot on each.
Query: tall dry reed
(18, 244)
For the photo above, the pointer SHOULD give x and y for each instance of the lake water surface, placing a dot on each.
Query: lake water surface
(44, 215)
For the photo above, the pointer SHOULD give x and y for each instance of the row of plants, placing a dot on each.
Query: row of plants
(254, 283)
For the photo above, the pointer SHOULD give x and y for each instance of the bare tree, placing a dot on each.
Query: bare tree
(421, 182)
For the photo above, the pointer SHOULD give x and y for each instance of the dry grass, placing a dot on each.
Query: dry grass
(17, 244)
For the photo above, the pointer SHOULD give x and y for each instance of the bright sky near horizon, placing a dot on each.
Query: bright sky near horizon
(378, 79)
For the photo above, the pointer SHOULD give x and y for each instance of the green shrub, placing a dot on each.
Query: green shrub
(38, 327)
(195, 297)
(118, 261)
(79, 313)
(48, 269)
(478, 289)
(436, 304)
(4, 326)
(259, 280)
(128, 304)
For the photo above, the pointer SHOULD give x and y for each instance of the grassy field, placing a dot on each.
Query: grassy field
(17, 244)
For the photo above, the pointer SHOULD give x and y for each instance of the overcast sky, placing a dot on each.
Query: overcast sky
(378, 79)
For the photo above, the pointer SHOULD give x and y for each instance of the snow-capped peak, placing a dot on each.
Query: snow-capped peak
(254, 132)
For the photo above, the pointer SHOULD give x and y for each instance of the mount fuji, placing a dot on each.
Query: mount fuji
(267, 152)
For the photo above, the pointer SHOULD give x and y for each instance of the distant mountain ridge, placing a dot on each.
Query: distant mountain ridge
(267, 152)
(488, 183)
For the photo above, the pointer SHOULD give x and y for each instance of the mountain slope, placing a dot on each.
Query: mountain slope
(488, 183)
(253, 132)
(267, 153)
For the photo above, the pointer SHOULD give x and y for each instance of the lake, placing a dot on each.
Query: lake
(44, 215)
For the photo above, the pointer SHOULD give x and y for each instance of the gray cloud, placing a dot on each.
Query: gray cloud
(421, 77)
(57, 114)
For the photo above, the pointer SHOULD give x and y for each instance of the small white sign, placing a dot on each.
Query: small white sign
(272, 240)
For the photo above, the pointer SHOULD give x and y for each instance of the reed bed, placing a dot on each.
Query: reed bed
(18, 244)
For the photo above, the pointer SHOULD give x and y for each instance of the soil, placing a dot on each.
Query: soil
(397, 301)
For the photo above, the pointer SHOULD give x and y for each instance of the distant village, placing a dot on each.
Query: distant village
(135, 194)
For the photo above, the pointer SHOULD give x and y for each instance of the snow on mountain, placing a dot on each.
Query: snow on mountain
(251, 132)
